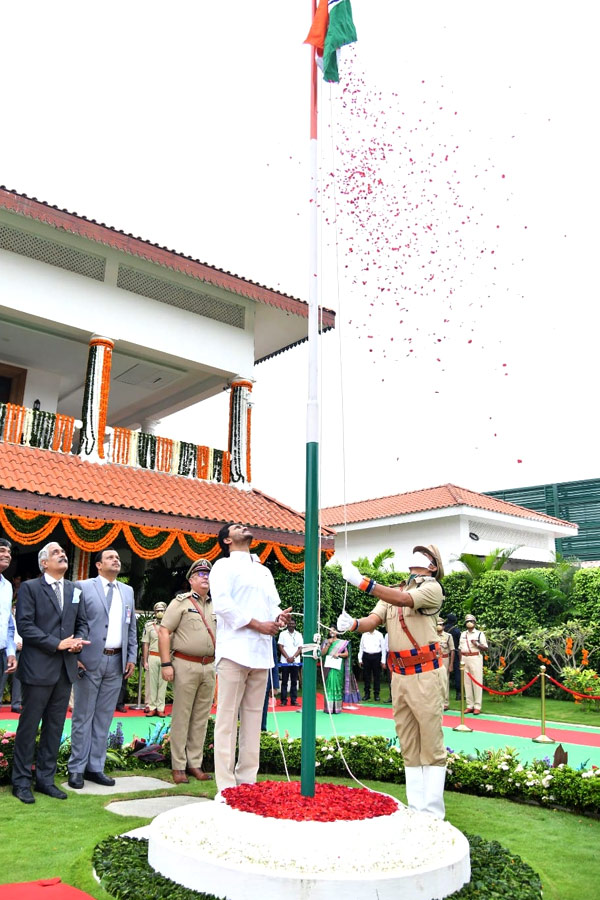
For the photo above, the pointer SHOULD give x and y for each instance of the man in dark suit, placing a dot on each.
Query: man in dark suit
(110, 614)
(51, 622)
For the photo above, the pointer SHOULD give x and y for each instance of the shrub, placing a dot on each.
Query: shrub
(457, 588)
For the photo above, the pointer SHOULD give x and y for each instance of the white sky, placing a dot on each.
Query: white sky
(187, 124)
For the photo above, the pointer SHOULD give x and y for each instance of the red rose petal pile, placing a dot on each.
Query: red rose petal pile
(331, 802)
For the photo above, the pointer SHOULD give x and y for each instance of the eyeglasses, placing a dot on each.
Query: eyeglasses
(201, 572)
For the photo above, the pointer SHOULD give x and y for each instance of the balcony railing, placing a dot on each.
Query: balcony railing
(37, 428)
(54, 431)
(149, 451)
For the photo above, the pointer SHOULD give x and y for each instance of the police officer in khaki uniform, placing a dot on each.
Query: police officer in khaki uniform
(409, 612)
(472, 647)
(190, 621)
(156, 684)
(447, 647)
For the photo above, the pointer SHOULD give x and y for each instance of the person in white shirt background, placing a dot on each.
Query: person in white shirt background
(290, 660)
(247, 607)
(370, 655)
(8, 654)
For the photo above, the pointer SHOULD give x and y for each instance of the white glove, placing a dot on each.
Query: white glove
(351, 574)
(346, 622)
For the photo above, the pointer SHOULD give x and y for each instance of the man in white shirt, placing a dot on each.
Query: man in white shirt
(246, 603)
(112, 654)
(8, 654)
(290, 660)
(370, 654)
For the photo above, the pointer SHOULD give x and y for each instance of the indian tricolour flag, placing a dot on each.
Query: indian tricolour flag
(331, 29)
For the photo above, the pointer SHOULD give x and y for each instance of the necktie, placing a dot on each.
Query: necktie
(56, 587)
(109, 595)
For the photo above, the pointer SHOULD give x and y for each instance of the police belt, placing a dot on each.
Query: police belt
(204, 660)
(153, 653)
(463, 653)
(405, 662)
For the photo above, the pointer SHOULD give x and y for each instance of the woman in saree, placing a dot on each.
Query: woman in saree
(334, 651)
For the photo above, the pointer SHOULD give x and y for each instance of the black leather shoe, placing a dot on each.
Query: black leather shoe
(76, 780)
(23, 794)
(99, 778)
(51, 791)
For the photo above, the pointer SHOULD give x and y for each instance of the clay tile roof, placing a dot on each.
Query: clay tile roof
(62, 219)
(47, 474)
(445, 496)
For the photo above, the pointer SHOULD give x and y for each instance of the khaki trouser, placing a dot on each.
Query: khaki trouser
(474, 665)
(445, 682)
(193, 691)
(241, 692)
(418, 702)
(157, 686)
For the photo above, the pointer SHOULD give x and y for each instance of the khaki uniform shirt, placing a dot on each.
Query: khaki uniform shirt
(421, 620)
(467, 639)
(446, 643)
(150, 637)
(189, 634)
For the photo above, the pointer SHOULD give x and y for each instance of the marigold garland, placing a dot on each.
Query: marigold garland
(28, 527)
(104, 392)
(248, 444)
(147, 548)
(27, 537)
(93, 539)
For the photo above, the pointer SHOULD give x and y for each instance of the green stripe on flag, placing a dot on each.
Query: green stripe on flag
(340, 31)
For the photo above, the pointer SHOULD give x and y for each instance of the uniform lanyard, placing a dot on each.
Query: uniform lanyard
(208, 628)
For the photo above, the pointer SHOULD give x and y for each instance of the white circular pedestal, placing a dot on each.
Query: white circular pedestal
(242, 856)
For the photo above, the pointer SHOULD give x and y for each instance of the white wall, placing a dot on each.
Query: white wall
(57, 296)
(444, 532)
(451, 535)
(42, 386)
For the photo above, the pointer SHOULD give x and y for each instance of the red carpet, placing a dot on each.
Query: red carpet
(45, 889)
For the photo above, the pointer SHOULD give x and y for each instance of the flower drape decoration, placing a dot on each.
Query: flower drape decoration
(239, 430)
(137, 448)
(95, 397)
(28, 527)
(36, 428)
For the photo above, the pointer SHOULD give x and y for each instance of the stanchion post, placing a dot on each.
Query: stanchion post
(141, 674)
(543, 737)
(462, 726)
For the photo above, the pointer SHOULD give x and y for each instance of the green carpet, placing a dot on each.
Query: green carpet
(289, 723)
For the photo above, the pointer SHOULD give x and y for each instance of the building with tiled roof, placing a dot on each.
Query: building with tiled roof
(458, 520)
(102, 335)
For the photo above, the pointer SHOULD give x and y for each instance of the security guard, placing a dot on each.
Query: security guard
(472, 646)
(447, 647)
(190, 621)
(157, 686)
(409, 611)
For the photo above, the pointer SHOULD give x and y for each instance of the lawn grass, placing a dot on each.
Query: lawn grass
(56, 838)
(565, 712)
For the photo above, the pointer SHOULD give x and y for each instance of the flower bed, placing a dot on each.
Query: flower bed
(491, 773)
(331, 802)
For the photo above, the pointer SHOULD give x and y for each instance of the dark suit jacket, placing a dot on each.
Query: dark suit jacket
(42, 627)
(93, 599)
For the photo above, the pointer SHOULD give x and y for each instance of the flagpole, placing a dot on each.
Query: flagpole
(311, 546)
